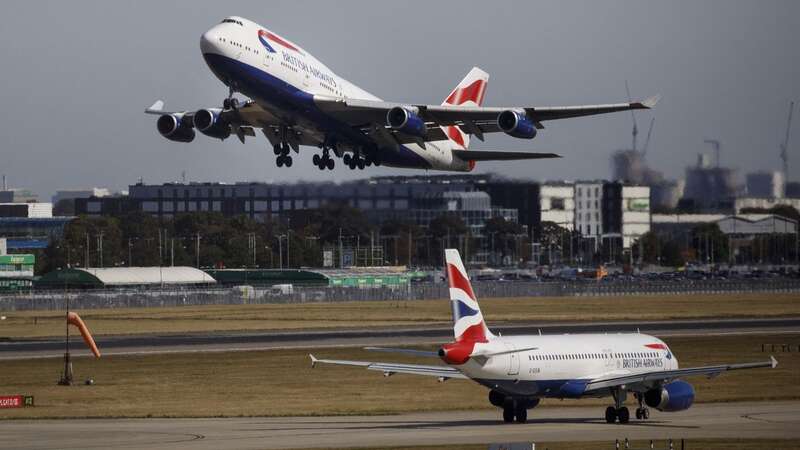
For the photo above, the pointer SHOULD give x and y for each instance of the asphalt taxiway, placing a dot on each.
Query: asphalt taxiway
(762, 420)
(203, 342)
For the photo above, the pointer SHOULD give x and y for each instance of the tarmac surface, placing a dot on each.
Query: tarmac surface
(761, 420)
(147, 344)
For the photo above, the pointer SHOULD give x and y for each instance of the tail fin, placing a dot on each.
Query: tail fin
(469, 92)
(468, 324)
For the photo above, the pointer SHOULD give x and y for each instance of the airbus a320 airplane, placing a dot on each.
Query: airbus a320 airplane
(521, 370)
(297, 100)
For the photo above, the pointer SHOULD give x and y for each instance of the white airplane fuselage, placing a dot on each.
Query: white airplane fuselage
(558, 359)
(284, 79)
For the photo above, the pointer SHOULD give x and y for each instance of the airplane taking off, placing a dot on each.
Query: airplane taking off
(521, 370)
(296, 100)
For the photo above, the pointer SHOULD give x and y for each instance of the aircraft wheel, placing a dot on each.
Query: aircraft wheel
(316, 159)
(347, 158)
(277, 149)
(288, 161)
(522, 414)
(226, 104)
(330, 164)
(611, 414)
(645, 413)
(360, 164)
(279, 161)
(508, 414)
(623, 414)
(639, 413)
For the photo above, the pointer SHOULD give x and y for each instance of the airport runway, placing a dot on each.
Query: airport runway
(721, 420)
(148, 344)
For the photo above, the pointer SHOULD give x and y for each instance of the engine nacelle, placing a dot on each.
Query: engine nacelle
(406, 121)
(456, 353)
(516, 124)
(208, 122)
(175, 128)
(675, 396)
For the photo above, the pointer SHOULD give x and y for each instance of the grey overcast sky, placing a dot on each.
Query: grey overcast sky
(77, 75)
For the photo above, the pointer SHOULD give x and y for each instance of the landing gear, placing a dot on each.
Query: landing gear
(282, 150)
(515, 409)
(325, 161)
(618, 412)
(356, 161)
(642, 412)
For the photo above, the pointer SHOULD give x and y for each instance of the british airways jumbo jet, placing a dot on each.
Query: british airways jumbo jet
(521, 370)
(298, 101)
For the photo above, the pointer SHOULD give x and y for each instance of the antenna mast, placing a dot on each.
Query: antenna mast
(785, 144)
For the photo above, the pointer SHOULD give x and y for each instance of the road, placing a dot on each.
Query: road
(772, 420)
(146, 344)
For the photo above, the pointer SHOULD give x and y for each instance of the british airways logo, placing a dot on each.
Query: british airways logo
(265, 36)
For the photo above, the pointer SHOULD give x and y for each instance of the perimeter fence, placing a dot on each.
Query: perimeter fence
(173, 297)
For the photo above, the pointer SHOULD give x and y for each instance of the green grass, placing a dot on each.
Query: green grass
(245, 318)
(281, 383)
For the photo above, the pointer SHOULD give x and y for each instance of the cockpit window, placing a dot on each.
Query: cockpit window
(233, 21)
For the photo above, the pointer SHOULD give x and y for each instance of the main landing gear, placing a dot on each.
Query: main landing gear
(359, 160)
(282, 149)
(325, 161)
(620, 413)
(514, 410)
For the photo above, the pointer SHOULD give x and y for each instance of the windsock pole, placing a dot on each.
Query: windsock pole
(66, 376)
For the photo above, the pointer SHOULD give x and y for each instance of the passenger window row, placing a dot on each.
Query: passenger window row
(576, 356)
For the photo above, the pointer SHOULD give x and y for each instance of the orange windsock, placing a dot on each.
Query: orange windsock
(74, 319)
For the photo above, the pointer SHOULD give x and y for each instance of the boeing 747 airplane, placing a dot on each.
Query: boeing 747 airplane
(298, 101)
(521, 370)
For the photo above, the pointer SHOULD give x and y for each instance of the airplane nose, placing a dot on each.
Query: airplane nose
(209, 41)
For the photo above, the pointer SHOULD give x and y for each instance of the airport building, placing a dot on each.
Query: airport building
(30, 226)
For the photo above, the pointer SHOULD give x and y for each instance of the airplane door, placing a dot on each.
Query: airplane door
(513, 360)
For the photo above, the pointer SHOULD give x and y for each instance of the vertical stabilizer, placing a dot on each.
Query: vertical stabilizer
(469, 92)
(468, 324)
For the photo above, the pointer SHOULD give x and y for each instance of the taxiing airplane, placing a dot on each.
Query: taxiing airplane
(298, 101)
(521, 370)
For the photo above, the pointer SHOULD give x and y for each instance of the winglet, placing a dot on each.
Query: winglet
(651, 102)
(773, 361)
(313, 360)
(155, 108)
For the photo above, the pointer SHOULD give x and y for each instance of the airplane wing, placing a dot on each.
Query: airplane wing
(488, 155)
(475, 120)
(441, 372)
(668, 375)
(245, 119)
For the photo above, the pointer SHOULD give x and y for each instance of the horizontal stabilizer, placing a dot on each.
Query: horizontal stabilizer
(488, 155)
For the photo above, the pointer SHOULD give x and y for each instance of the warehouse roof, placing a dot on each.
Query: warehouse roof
(126, 276)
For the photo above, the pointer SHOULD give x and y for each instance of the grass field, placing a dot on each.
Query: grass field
(30, 324)
(280, 383)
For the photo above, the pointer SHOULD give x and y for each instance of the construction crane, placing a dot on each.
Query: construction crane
(785, 144)
(717, 146)
(635, 131)
(649, 133)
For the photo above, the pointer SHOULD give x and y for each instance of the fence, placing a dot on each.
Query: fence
(135, 298)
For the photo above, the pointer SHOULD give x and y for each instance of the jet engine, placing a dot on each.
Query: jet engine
(175, 128)
(208, 122)
(674, 396)
(516, 124)
(406, 121)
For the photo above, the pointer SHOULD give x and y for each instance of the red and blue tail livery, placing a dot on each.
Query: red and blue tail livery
(468, 324)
